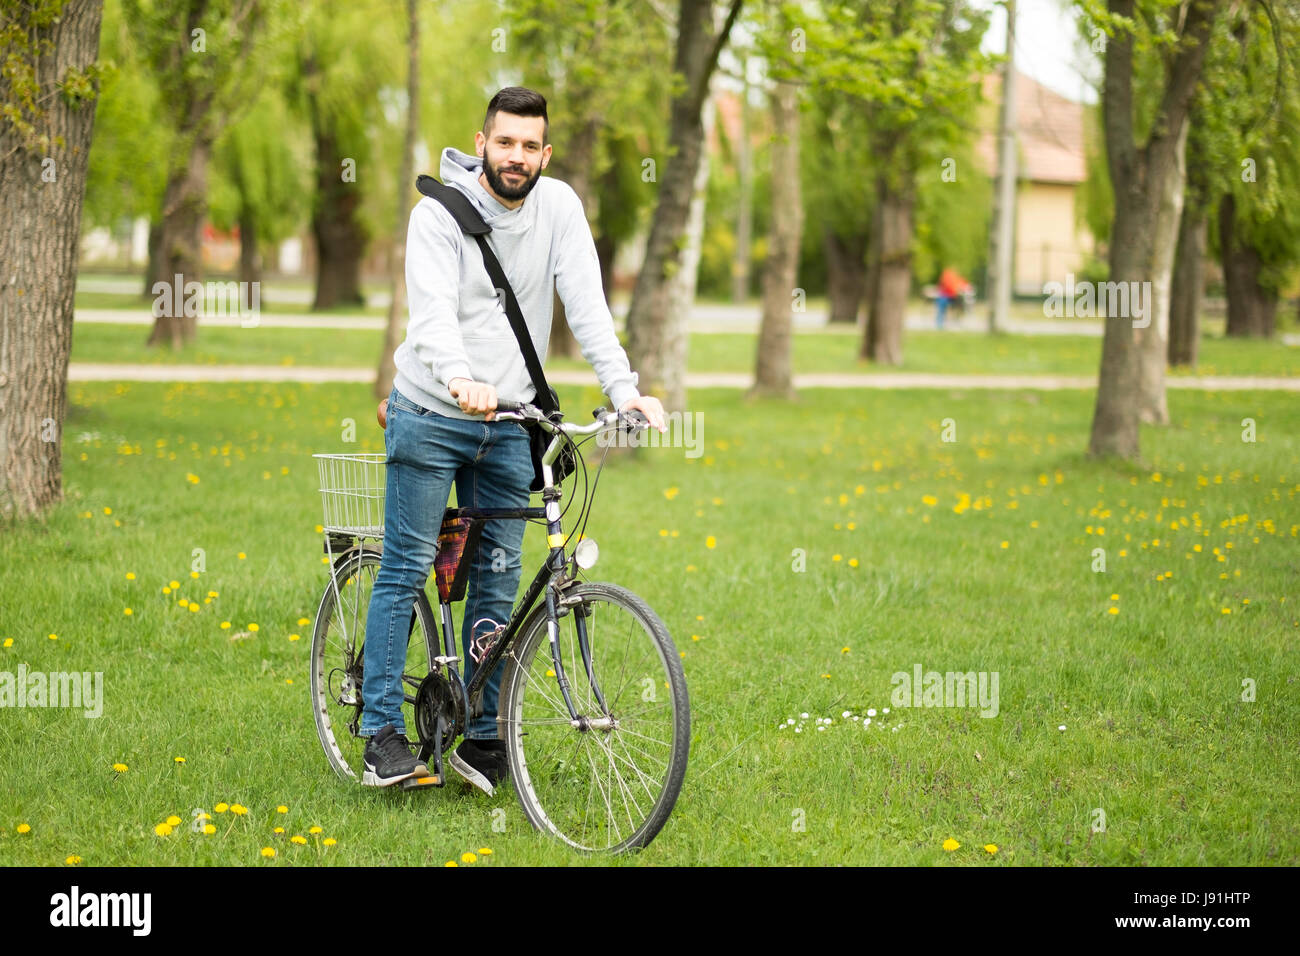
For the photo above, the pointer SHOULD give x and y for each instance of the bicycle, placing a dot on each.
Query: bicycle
(597, 729)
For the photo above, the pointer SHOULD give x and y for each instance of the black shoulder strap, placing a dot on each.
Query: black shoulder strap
(469, 220)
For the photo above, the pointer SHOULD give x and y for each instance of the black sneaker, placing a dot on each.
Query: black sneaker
(389, 760)
(482, 763)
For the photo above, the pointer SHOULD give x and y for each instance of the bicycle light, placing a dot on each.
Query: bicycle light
(586, 553)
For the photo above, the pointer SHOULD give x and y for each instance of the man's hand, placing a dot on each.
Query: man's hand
(650, 407)
(475, 398)
(381, 413)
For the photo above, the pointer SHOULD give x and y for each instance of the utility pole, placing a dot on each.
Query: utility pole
(1004, 204)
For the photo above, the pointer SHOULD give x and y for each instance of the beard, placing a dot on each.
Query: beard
(516, 188)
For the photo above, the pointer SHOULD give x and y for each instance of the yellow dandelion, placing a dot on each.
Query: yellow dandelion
(173, 584)
(467, 857)
(108, 511)
(130, 575)
(328, 841)
(451, 863)
(54, 637)
(950, 844)
(194, 574)
(268, 851)
(710, 542)
(163, 829)
(238, 810)
(303, 622)
(1114, 597)
(670, 493)
(225, 625)
(844, 650)
(173, 821)
(837, 557)
(252, 627)
(194, 607)
(278, 830)
(853, 562)
(294, 637)
(241, 556)
(1227, 610)
(178, 759)
(24, 828)
(120, 767)
(484, 851)
(72, 860)
(1005, 545)
(990, 848)
(9, 642)
(127, 611)
(1112, 610)
(221, 807)
(300, 840)
(282, 809)
(209, 829)
(315, 830)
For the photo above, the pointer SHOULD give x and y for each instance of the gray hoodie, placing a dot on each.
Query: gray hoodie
(458, 326)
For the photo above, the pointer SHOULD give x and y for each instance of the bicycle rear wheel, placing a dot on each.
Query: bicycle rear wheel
(611, 785)
(337, 660)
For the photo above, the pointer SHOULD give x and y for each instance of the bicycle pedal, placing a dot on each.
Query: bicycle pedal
(421, 783)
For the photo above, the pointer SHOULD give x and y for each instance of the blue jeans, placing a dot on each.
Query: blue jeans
(492, 468)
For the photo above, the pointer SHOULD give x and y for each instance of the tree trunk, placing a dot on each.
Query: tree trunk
(250, 259)
(745, 201)
(1188, 286)
(405, 177)
(846, 275)
(883, 342)
(180, 247)
(681, 286)
(1138, 176)
(40, 230)
(657, 336)
(1252, 308)
(1153, 341)
(773, 374)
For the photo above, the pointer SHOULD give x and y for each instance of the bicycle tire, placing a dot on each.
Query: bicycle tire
(558, 770)
(337, 660)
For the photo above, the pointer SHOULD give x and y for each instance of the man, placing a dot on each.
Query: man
(458, 358)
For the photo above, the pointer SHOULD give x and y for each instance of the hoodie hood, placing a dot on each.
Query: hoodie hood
(462, 171)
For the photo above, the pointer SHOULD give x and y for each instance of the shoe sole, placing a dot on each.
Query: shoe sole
(472, 776)
(371, 779)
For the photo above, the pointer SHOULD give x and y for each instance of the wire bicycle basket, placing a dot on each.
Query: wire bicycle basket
(352, 493)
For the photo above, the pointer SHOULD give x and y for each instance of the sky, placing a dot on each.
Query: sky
(1048, 45)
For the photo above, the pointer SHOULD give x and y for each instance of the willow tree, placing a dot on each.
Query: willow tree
(1144, 156)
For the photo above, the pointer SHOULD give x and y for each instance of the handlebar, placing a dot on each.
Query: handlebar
(524, 412)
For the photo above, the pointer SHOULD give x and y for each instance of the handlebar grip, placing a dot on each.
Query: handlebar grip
(510, 406)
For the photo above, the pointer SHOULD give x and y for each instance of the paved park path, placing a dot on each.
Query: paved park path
(124, 372)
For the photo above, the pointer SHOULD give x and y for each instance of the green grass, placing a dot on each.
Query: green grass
(954, 353)
(898, 571)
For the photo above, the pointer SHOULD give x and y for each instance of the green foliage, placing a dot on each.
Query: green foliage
(128, 157)
(26, 37)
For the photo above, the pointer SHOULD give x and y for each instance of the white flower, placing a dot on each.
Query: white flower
(866, 722)
(1062, 727)
(804, 716)
(798, 730)
(871, 711)
(885, 711)
(821, 728)
(846, 713)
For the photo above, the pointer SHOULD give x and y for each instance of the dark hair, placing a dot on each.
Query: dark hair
(518, 101)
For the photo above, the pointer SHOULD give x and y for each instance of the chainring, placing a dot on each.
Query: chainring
(440, 702)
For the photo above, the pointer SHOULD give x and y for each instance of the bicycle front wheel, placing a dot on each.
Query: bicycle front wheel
(610, 783)
(338, 661)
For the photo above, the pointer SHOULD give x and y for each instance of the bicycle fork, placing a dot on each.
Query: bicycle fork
(580, 615)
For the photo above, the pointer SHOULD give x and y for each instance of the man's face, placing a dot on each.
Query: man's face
(513, 157)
